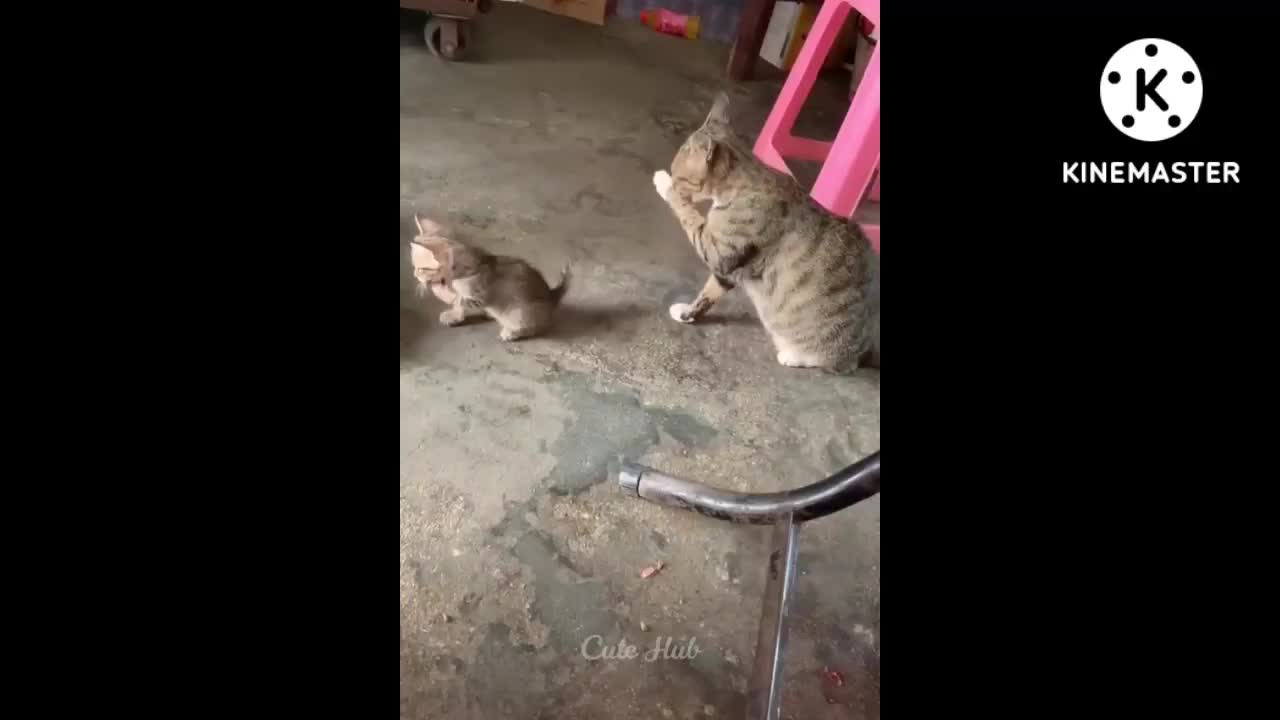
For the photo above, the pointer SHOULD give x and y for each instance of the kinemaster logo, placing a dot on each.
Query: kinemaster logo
(1151, 91)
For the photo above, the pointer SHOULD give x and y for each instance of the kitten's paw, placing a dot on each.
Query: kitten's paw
(508, 335)
(789, 358)
(662, 183)
(682, 313)
(444, 292)
(449, 318)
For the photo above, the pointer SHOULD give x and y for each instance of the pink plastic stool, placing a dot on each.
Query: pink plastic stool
(848, 163)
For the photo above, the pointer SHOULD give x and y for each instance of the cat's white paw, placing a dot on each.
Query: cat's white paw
(509, 335)
(790, 358)
(444, 292)
(662, 183)
(681, 313)
(450, 318)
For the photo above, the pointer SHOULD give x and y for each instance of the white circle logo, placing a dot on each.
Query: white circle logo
(1151, 90)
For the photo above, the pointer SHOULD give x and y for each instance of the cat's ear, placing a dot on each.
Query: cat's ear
(693, 162)
(430, 254)
(427, 227)
(719, 115)
(714, 153)
(711, 152)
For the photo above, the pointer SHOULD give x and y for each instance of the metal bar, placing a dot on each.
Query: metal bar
(851, 485)
(785, 510)
(764, 694)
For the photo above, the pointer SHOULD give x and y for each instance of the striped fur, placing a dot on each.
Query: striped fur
(813, 277)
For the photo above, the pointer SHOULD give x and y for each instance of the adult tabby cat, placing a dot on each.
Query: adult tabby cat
(813, 277)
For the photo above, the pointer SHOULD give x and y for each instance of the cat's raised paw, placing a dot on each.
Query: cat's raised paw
(682, 313)
(662, 183)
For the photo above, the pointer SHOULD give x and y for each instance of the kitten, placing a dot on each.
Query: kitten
(475, 283)
(813, 277)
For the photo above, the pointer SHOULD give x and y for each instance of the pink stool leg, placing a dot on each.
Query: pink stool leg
(777, 129)
(874, 195)
(856, 151)
(873, 234)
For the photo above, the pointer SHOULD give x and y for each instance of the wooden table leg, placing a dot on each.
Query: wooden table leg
(752, 25)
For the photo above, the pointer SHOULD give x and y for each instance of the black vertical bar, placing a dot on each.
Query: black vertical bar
(764, 696)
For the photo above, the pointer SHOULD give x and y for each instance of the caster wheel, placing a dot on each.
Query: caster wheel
(447, 38)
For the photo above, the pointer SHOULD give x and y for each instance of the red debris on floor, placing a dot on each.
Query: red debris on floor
(652, 570)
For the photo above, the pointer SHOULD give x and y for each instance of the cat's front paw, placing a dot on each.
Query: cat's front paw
(682, 313)
(444, 292)
(662, 183)
(450, 318)
(793, 359)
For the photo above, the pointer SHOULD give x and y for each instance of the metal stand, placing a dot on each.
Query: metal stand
(785, 511)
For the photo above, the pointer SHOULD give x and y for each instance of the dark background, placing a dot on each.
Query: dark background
(1079, 366)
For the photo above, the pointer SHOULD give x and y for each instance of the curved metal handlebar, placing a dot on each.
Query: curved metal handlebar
(785, 511)
(851, 485)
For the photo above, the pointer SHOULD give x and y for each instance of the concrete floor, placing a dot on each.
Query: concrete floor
(516, 546)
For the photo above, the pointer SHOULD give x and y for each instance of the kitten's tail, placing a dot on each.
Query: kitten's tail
(558, 291)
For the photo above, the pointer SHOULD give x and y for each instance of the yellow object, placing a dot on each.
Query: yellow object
(799, 31)
(789, 27)
(691, 28)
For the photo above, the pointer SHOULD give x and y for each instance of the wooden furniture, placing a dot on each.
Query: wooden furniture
(448, 33)
(752, 25)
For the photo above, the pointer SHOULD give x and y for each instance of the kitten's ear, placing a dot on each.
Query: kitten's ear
(719, 114)
(427, 227)
(430, 254)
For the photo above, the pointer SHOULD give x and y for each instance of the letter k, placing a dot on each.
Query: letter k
(1145, 89)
